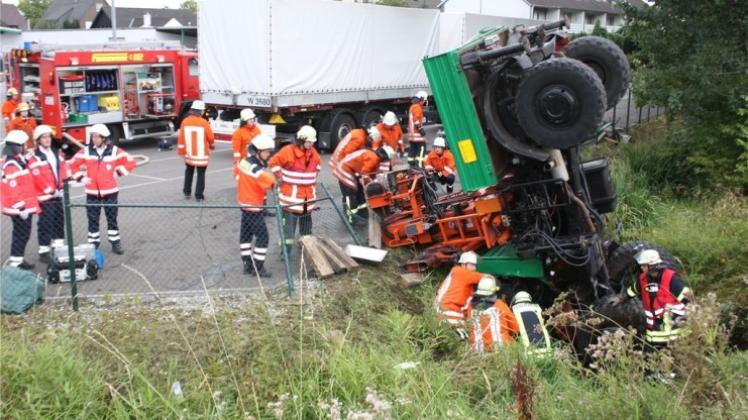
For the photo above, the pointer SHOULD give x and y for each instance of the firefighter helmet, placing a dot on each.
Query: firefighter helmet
(422, 95)
(374, 133)
(23, 106)
(389, 119)
(521, 297)
(263, 142)
(469, 257)
(100, 129)
(307, 133)
(648, 257)
(246, 115)
(198, 105)
(486, 286)
(440, 142)
(17, 137)
(386, 153)
(12, 91)
(42, 130)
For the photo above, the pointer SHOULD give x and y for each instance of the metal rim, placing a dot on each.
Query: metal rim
(558, 105)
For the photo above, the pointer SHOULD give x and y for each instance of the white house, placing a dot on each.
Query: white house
(580, 15)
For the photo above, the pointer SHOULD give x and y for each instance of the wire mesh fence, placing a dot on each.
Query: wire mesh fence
(178, 248)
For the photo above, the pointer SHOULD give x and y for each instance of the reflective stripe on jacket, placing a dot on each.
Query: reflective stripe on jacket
(195, 141)
(443, 164)
(453, 295)
(241, 139)
(661, 312)
(392, 137)
(46, 180)
(17, 190)
(298, 169)
(491, 327)
(101, 169)
(252, 181)
(360, 162)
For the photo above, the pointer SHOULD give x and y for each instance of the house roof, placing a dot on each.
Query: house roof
(62, 10)
(132, 17)
(599, 6)
(10, 17)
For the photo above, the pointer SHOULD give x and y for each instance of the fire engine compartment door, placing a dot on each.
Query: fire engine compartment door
(149, 91)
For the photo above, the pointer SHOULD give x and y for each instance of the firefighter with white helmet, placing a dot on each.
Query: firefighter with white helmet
(104, 162)
(391, 134)
(253, 180)
(297, 166)
(441, 163)
(532, 331)
(196, 140)
(9, 106)
(18, 196)
(416, 136)
(453, 295)
(24, 122)
(242, 137)
(491, 323)
(49, 170)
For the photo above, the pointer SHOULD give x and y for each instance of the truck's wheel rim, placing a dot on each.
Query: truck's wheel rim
(343, 131)
(558, 105)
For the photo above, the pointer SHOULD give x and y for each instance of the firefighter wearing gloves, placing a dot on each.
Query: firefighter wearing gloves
(391, 134)
(23, 122)
(104, 162)
(453, 295)
(49, 170)
(664, 296)
(18, 196)
(242, 137)
(491, 323)
(353, 174)
(10, 105)
(196, 140)
(416, 137)
(441, 162)
(297, 166)
(253, 180)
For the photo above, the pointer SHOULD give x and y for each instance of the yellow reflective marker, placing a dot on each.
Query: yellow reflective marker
(467, 151)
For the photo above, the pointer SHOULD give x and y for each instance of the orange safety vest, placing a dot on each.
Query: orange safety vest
(392, 137)
(241, 139)
(355, 140)
(415, 122)
(454, 293)
(9, 109)
(26, 125)
(360, 162)
(298, 169)
(491, 327)
(252, 180)
(443, 164)
(195, 141)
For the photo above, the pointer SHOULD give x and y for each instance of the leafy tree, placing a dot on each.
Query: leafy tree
(189, 5)
(33, 10)
(692, 57)
(396, 3)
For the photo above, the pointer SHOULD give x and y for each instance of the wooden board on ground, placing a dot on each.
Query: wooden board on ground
(375, 230)
(338, 251)
(335, 262)
(411, 279)
(316, 257)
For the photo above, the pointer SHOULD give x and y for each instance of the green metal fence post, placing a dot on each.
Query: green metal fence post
(71, 246)
(282, 236)
(342, 216)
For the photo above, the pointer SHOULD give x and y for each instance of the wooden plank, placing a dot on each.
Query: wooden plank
(316, 257)
(335, 262)
(375, 230)
(411, 279)
(331, 245)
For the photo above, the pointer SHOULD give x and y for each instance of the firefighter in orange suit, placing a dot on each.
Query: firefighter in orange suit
(416, 138)
(242, 137)
(441, 162)
(353, 173)
(18, 196)
(253, 180)
(453, 295)
(297, 166)
(23, 122)
(10, 105)
(391, 133)
(357, 139)
(491, 323)
(104, 162)
(196, 140)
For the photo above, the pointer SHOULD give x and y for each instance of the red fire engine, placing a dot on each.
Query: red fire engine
(137, 92)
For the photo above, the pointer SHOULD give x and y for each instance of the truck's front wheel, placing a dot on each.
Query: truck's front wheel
(342, 124)
(607, 60)
(560, 103)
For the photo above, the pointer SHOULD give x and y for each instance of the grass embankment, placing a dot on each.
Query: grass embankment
(365, 348)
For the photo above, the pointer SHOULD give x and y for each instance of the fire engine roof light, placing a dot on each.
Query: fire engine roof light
(74, 61)
(160, 58)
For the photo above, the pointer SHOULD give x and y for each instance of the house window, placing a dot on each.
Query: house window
(611, 20)
(540, 13)
(591, 19)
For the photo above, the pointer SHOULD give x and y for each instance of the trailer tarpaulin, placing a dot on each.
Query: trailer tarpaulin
(311, 47)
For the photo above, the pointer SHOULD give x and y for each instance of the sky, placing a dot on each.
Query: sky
(151, 4)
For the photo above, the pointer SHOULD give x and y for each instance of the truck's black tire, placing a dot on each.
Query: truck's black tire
(116, 133)
(607, 60)
(560, 103)
(371, 115)
(342, 124)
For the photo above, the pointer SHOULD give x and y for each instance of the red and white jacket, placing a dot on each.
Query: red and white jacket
(298, 169)
(46, 180)
(17, 189)
(101, 169)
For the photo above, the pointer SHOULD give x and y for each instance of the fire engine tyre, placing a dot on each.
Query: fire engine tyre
(116, 133)
(607, 60)
(560, 103)
(342, 124)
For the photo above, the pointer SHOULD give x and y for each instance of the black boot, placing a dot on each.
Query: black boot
(117, 248)
(248, 267)
(25, 265)
(262, 271)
